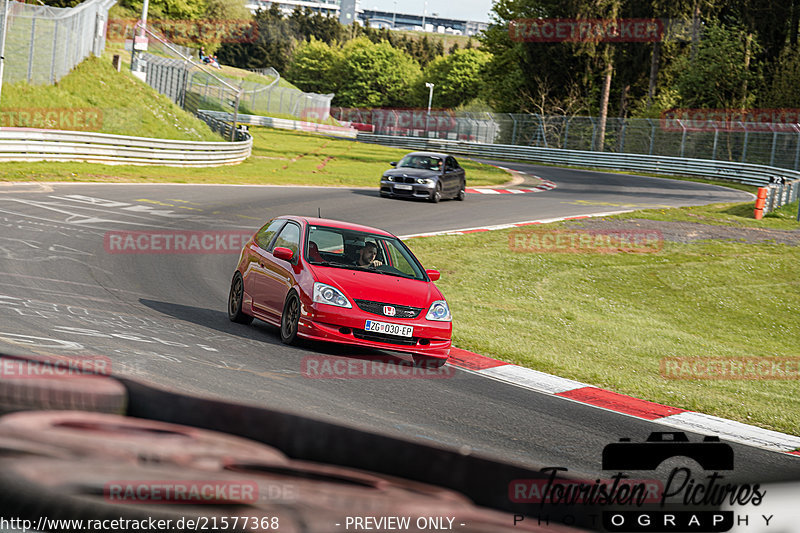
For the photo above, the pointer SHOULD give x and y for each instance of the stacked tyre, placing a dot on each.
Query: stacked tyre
(77, 465)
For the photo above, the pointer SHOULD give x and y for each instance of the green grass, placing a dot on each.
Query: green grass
(729, 214)
(609, 319)
(279, 157)
(235, 75)
(786, 214)
(127, 106)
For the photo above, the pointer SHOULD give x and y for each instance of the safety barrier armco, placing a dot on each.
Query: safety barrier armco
(24, 144)
(783, 185)
(282, 123)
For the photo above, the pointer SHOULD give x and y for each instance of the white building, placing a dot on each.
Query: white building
(348, 11)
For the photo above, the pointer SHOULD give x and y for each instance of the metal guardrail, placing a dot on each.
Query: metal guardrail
(726, 138)
(782, 194)
(22, 144)
(783, 184)
(283, 124)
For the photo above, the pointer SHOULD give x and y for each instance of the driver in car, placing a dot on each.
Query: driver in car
(366, 256)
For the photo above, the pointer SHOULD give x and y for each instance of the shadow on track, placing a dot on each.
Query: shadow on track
(266, 333)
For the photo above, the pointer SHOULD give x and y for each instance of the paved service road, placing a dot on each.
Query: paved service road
(161, 317)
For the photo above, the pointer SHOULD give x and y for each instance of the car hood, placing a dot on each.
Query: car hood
(363, 285)
(412, 172)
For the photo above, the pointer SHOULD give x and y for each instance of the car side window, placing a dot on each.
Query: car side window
(289, 237)
(450, 164)
(265, 234)
(456, 166)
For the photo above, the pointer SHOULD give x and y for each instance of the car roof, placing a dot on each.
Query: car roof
(430, 154)
(337, 224)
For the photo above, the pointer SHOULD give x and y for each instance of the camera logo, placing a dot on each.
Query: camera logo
(711, 454)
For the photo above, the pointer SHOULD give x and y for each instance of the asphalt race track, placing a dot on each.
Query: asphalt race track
(161, 318)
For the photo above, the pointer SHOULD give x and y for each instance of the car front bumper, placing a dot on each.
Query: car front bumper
(346, 326)
(415, 190)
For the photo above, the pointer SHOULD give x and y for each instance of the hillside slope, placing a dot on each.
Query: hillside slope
(95, 97)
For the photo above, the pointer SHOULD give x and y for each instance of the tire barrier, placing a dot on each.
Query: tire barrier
(90, 466)
(102, 489)
(41, 382)
(483, 479)
(135, 440)
(335, 488)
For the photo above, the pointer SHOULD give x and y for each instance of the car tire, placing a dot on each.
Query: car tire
(235, 299)
(90, 392)
(462, 192)
(436, 195)
(426, 361)
(290, 319)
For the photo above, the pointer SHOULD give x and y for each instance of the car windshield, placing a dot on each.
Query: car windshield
(356, 250)
(420, 161)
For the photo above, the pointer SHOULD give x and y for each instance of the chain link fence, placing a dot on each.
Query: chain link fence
(44, 43)
(772, 144)
(192, 85)
(259, 98)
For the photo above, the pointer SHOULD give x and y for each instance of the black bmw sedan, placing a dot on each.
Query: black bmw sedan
(428, 175)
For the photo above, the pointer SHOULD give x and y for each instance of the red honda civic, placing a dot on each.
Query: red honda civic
(334, 281)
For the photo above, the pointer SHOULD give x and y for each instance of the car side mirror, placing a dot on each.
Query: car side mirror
(393, 163)
(283, 253)
(433, 274)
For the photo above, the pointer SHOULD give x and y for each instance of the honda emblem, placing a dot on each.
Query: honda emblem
(388, 310)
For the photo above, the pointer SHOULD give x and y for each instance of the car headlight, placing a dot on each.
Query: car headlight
(425, 181)
(325, 294)
(439, 311)
(388, 178)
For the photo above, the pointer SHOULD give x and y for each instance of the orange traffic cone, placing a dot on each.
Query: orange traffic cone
(761, 199)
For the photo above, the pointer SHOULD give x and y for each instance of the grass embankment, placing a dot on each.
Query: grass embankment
(736, 215)
(123, 104)
(609, 319)
(279, 157)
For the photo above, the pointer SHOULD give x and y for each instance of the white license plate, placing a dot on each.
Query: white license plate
(403, 187)
(389, 329)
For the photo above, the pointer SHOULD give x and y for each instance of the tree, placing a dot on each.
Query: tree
(521, 73)
(62, 3)
(457, 78)
(315, 67)
(720, 71)
(785, 81)
(273, 47)
(226, 10)
(374, 75)
(169, 9)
